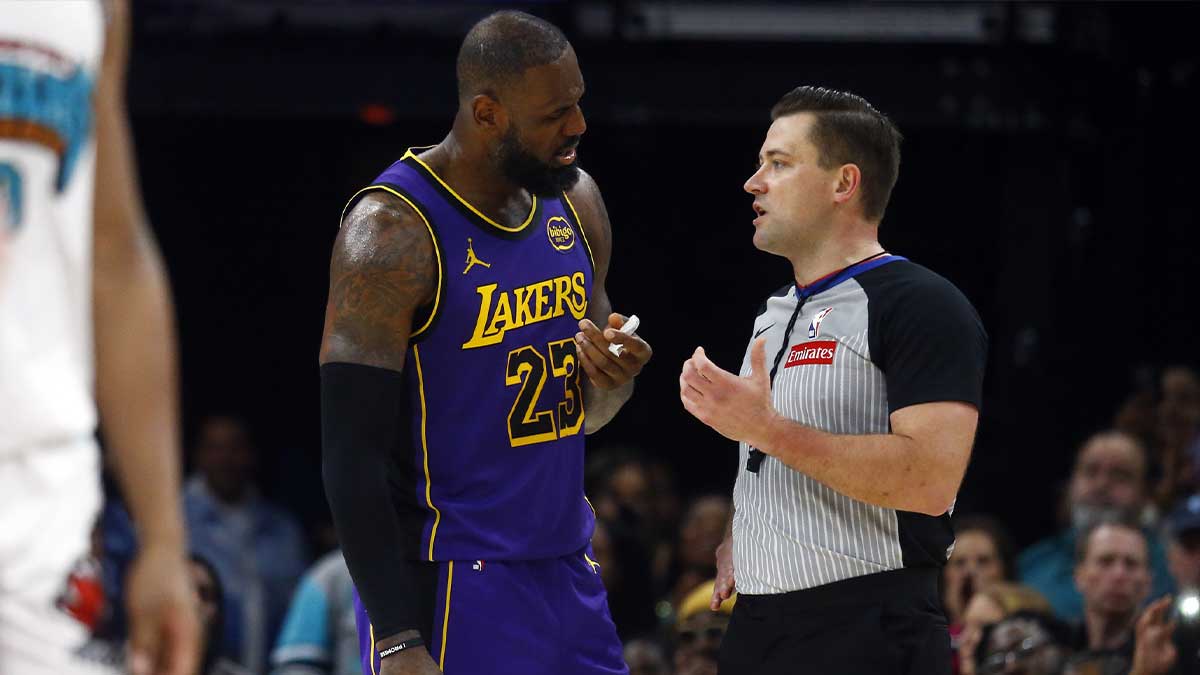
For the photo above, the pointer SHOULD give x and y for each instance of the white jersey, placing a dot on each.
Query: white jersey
(50, 53)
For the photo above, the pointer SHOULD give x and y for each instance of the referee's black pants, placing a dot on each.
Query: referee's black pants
(890, 623)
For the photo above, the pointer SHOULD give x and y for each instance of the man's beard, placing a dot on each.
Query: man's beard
(1085, 515)
(521, 167)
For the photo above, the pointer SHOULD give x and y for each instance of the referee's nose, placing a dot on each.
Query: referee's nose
(755, 184)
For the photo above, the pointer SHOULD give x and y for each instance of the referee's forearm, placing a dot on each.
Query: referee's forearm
(888, 470)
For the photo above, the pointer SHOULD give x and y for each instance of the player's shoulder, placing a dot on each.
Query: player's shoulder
(374, 209)
(382, 227)
(584, 189)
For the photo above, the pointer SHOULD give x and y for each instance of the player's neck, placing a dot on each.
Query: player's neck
(811, 263)
(471, 171)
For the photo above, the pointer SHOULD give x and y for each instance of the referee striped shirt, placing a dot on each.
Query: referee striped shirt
(865, 341)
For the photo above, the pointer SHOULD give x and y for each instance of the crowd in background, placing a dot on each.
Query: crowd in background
(1112, 592)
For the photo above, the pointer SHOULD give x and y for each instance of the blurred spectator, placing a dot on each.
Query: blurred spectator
(1181, 531)
(210, 602)
(667, 507)
(257, 549)
(1113, 574)
(1108, 481)
(1114, 639)
(699, 631)
(1179, 424)
(1025, 643)
(619, 486)
(625, 569)
(700, 533)
(118, 546)
(1164, 411)
(602, 553)
(646, 657)
(319, 635)
(983, 553)
(991, 604)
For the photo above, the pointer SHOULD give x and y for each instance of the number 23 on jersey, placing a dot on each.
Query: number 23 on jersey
(527, 368)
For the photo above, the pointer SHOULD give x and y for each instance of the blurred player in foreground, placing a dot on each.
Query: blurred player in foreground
(85, 326)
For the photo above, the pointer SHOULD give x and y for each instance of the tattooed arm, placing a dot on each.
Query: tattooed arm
(610, 378)
(382, 271)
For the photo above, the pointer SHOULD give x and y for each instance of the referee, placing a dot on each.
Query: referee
(855, 409)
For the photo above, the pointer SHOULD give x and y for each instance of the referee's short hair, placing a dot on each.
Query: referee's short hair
(1084, 542)
(849, 130)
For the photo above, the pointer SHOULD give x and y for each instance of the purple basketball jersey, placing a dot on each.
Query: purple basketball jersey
(495, 405)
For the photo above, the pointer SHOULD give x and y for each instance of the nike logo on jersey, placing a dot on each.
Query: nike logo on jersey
(757, 333)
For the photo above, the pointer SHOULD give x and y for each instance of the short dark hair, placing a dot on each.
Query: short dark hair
(995, 531)
(849, 130)
(1084, 542)
(501, 47)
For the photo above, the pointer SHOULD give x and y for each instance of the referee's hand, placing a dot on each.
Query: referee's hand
(738, 408)
(725, 585)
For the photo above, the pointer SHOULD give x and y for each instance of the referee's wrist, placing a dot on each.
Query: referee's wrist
(767, 433)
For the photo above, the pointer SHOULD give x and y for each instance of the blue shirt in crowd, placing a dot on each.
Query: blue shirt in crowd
(1049, 567)
(259, 553)
(319, 634)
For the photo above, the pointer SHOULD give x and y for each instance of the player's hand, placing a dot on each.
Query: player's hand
(1154, 652)
(163, 625)
(605, 369)
(414, 661)
(738, 408)
(725, 584)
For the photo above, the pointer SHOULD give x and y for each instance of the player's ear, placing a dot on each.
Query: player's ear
(488, 114)
(849, 179)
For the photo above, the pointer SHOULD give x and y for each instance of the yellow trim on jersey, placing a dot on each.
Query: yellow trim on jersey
(437, 250)
(437, 517)
(446, 619)
(581, 232)
(595, 565)
(589, 503)
(371, 628)
(522, 226)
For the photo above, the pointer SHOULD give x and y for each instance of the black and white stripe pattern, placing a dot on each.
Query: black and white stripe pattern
(790, 531)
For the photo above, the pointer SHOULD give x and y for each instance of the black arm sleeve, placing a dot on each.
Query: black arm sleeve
(926, 338)
(364, 428)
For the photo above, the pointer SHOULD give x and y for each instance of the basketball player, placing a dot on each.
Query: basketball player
(466, 294)
(84, 297)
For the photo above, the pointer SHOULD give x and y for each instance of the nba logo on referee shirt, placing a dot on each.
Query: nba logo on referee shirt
(816, 353)
(815, 327)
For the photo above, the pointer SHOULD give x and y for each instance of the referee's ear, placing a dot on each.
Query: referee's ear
(849, 183)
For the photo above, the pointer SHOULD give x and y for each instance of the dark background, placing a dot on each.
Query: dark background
(1049, 170)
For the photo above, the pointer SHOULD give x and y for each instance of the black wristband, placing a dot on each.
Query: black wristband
(395, 649)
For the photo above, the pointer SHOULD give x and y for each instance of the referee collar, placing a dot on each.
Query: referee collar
(838, 276)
